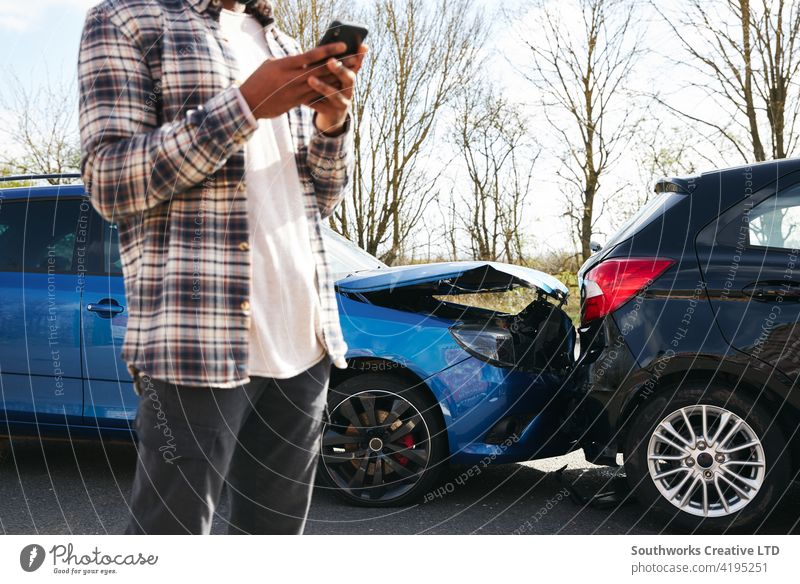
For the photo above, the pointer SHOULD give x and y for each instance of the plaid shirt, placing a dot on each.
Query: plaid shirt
(163, 128)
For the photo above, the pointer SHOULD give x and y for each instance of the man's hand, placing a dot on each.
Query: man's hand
(280, 85)
(332, 103)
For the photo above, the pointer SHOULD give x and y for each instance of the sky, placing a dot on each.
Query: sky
(41, 35)
(39, 43)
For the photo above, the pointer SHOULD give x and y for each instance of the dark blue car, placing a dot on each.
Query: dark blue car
(430, 382)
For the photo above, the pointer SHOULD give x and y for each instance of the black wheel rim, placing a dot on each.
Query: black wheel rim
(376, 446)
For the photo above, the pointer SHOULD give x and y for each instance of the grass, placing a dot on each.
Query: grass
(514, 301)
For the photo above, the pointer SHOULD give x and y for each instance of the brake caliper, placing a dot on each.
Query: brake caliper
(408, 442)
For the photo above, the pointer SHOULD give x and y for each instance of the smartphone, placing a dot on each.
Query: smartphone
(344, 32)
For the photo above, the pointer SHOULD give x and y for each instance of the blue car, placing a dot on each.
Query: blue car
(430, 382)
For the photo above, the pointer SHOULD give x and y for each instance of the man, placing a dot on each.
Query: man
(199, 143)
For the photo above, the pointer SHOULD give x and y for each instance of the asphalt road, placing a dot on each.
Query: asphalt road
(62, 488)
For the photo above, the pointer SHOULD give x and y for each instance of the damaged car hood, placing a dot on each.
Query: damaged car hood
(454, 278)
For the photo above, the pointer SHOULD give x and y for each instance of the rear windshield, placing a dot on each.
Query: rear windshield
(658, 204)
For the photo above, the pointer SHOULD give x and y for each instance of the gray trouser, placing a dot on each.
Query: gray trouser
(261, 440)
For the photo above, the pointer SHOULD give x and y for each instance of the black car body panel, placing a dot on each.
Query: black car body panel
(693, 321)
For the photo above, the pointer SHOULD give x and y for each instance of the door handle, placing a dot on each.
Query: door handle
(105, 308)
(772, 290)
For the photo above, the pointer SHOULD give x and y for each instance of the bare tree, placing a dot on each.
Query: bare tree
(306, 20)
(422, 55)
(748, 53)
(660, 150)
(491, 135)
(449, 223)
(41, 129)
(581, 68)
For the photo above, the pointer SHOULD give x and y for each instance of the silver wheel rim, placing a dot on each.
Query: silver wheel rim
(706, 461)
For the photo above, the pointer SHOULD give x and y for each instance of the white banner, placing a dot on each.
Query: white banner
(354, 559)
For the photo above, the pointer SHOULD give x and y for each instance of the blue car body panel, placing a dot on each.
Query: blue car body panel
(40, 348)
(422, 344)
(83, 388)
(472, 394)
(108, 402)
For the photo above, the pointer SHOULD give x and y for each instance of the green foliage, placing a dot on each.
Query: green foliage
(514, 301)
(5, 171)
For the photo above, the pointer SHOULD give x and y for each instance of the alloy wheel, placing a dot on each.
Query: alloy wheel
(706, 461)
(376, 445)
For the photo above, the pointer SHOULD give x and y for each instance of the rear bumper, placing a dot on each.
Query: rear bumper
(499, 415)
(595, 409)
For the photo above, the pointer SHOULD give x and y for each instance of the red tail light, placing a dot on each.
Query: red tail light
(612, 283)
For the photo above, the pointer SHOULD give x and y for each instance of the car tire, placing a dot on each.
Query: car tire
(390, 457)
(708, 462)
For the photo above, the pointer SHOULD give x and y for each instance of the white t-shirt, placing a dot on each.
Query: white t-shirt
(284, 301)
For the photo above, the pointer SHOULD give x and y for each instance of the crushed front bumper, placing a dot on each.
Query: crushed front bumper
(502, 415)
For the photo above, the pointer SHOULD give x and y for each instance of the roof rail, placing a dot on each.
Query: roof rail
(22, 177)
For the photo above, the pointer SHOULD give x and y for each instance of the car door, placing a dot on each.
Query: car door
(109, 397)
(751, 262)
(40, 292)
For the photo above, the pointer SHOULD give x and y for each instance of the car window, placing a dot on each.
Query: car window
(658, 204)
(775, 222)
(345, 257)
(38, 236)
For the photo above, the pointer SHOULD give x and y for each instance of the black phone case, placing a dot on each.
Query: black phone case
(351, 34)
